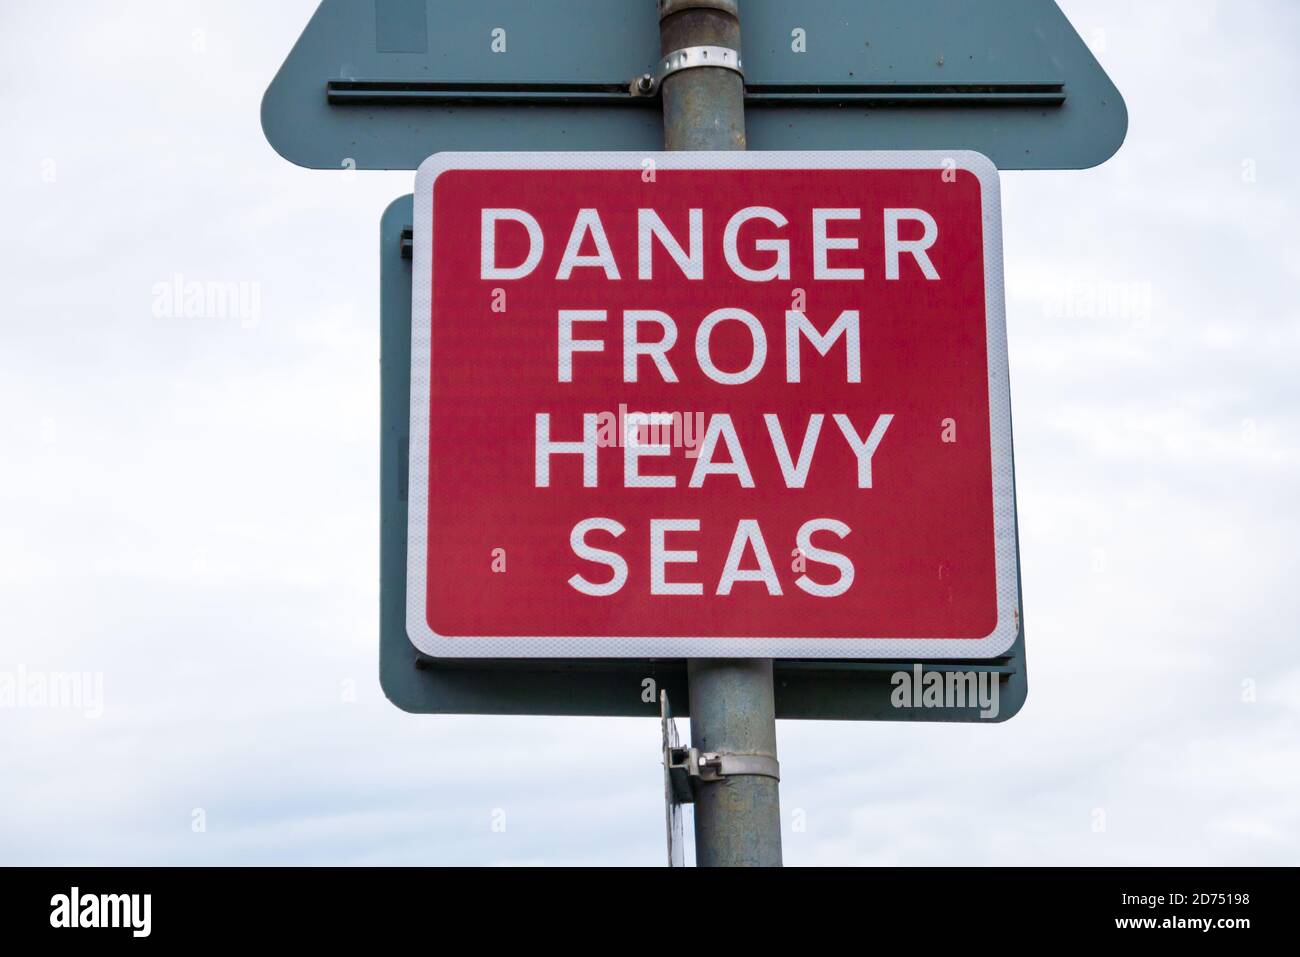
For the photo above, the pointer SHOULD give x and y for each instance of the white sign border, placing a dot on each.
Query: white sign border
(996, 643)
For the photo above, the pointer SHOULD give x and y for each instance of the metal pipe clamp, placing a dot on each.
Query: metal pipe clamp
(714, 766)
(687, 58)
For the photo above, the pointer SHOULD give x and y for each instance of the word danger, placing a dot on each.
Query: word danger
(588, 229)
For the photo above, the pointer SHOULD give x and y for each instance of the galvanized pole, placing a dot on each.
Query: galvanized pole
(738, 815)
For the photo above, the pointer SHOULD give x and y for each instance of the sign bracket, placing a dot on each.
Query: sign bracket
(709, 766)
(687, 766)
(687, 58)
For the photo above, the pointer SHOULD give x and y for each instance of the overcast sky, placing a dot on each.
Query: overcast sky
(189, 507)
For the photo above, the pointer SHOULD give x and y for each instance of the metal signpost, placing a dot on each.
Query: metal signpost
(722, 428)
(733, 706)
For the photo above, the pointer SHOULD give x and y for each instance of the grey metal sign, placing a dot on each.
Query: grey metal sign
(878, 690)
(382, 84)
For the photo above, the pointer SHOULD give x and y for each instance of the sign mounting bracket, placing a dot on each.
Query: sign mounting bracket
(687, 58)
